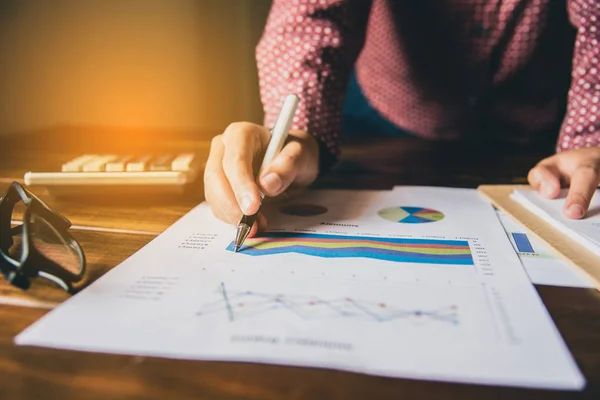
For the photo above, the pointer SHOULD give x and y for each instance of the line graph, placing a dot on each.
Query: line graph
(404, 250)
(239, 305)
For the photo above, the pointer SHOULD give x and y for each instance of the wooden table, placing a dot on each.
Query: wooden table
(36, 373)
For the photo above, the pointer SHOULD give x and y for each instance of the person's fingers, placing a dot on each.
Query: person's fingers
(227, 215)
(545, 179)
(583, 186)
(259, 225)
(283, 170)
(242, 143)
(217, 190)
(261, 222)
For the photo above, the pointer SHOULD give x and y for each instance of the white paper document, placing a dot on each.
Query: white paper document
(418, 283)
(543, 266)
(585, 231)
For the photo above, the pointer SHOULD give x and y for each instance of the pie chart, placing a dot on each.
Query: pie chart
(410, 215)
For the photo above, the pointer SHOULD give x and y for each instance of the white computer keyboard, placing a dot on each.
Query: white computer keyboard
(121, 170)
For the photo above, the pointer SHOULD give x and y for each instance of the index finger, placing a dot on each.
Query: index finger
(545, 179)
(242, 144)
(584, 182)
(217, 190)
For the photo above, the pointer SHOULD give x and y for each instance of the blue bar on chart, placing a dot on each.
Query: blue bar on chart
(523, 243)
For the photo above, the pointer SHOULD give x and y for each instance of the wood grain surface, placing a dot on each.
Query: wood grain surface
(102, 251)
(39, 373)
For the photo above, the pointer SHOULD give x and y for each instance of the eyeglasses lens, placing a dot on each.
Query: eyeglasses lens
(16, 250)
(53, 246)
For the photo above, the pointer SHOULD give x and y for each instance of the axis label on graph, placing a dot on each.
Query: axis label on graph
(400, 250)
(410, 215)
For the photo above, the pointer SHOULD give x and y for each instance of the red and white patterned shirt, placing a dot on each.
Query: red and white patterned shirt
(446, 69)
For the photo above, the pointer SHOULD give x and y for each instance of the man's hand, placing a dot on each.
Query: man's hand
(579, 169)
(230, 185)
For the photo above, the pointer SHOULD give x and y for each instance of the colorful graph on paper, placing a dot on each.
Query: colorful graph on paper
(410, 215)
(522, 242)
(524, 245)
(246, 304)
(452, 252)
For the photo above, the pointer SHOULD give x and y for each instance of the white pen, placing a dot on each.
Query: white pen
(279, 134)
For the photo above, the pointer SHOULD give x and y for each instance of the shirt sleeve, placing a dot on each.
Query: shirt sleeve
(581, 126)
(309, 47)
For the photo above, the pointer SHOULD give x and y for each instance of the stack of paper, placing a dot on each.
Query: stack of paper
(585, 231)
(543, 265)
(420, 283)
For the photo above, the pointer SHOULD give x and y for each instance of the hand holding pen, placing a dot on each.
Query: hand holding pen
(232, 183)
(279, 134)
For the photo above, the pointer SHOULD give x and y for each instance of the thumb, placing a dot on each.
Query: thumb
(546, 180)
(282, 172)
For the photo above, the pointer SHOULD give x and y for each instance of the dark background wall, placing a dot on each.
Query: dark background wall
(175, 64)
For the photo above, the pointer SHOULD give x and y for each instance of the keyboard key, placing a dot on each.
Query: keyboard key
(119, 164)
(76, 164)
(162, 163)
(98, 163)
(182, 162)
(139, 164)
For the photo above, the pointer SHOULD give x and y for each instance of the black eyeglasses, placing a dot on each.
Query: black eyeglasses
(40, 246)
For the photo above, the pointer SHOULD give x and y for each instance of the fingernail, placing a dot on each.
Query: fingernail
(272, 183)
(246, 203)
(575, 211)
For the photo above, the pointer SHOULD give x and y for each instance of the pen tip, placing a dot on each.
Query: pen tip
(242, 233)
